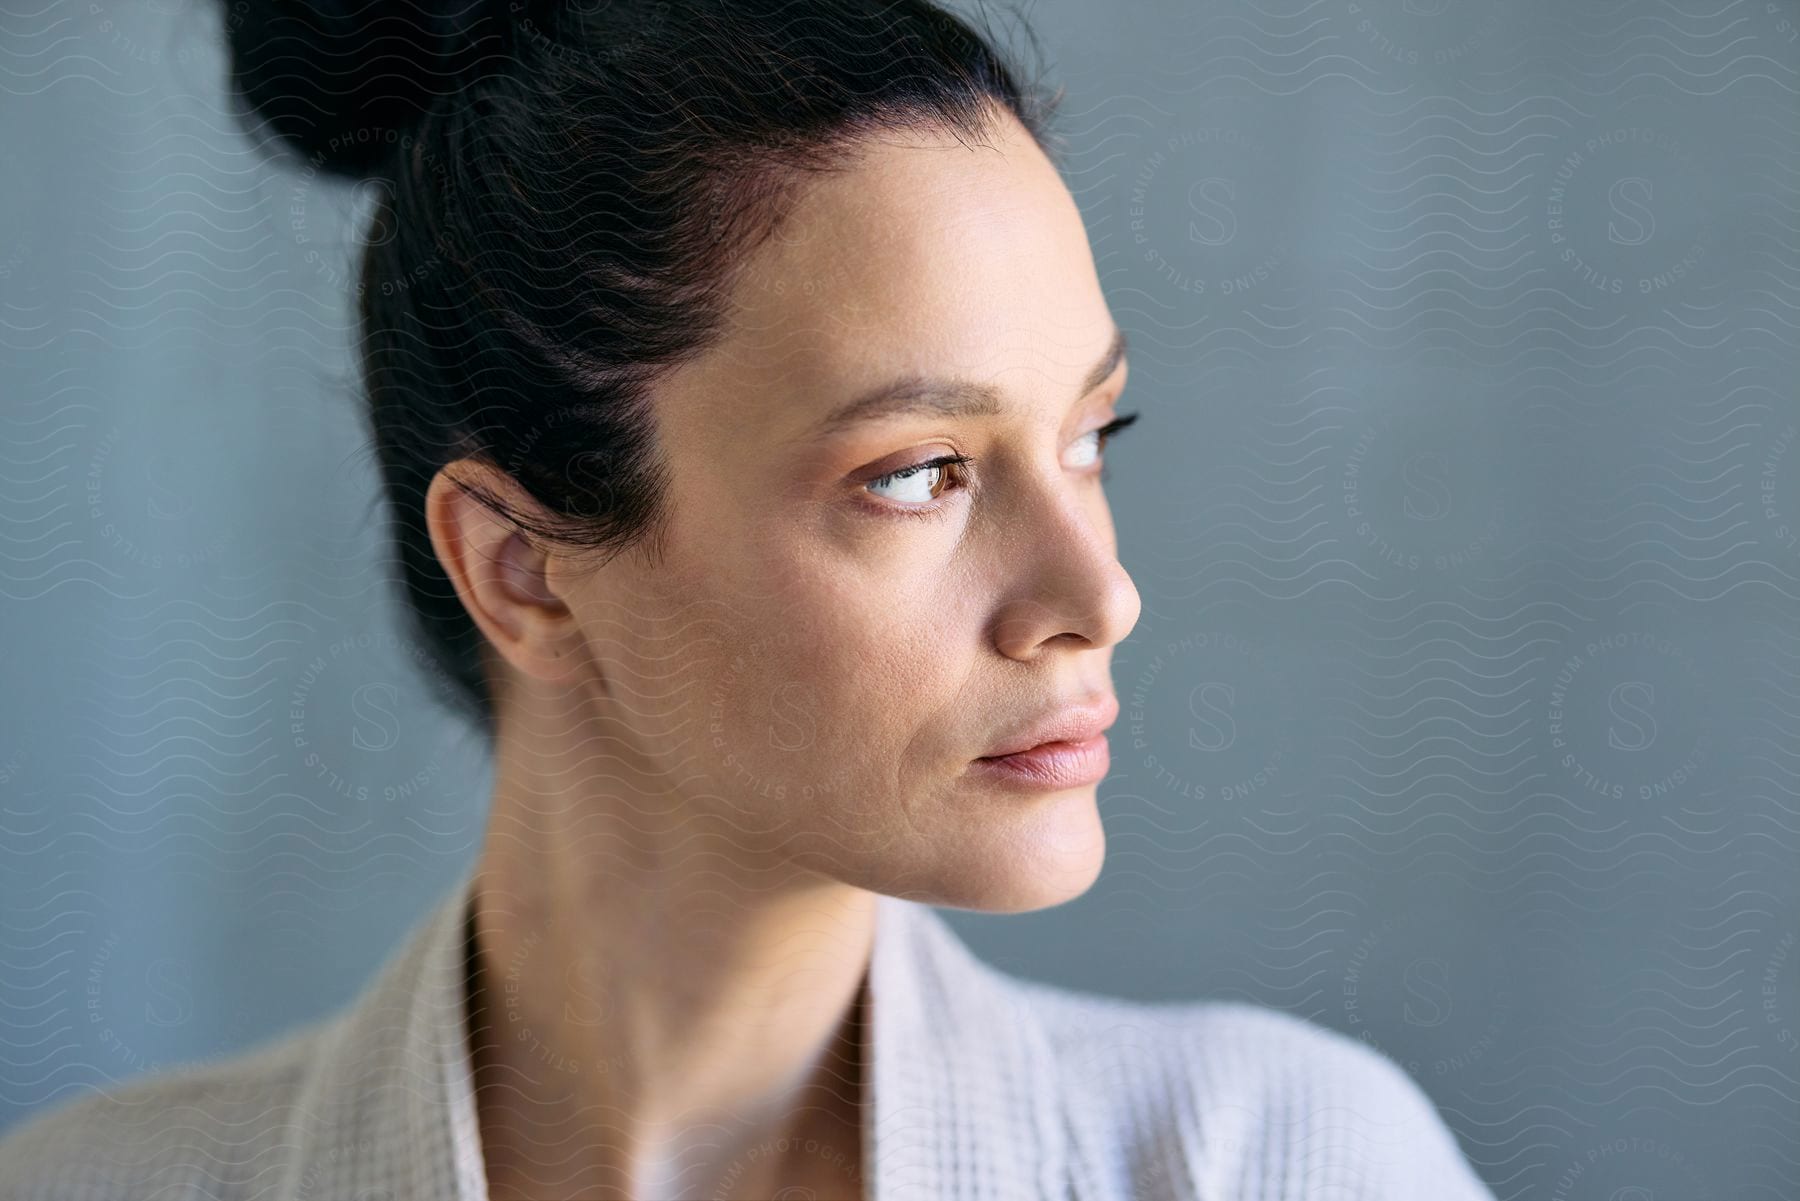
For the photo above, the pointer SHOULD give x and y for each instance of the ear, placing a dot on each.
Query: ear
(502, 579)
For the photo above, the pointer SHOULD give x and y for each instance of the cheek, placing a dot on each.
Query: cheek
(826, 688)
(787, 665)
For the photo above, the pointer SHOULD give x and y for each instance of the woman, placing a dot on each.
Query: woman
(740, 377)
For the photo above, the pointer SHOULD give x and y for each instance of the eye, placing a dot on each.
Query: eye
(1099, 438)
(912, 490)
(919, 484)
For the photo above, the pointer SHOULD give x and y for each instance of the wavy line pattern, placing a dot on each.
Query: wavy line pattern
(1464, 710)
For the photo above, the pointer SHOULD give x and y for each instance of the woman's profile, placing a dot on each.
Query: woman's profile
(741, 380)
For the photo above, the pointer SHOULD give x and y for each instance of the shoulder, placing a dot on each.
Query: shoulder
(208, 1129)
(1216, 1096)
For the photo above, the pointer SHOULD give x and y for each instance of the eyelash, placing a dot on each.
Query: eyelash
(1106, 432)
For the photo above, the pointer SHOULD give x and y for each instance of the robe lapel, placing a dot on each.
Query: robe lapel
(966, 1102)
(387, 1113)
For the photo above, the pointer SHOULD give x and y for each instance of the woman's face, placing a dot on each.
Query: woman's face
(819, 654)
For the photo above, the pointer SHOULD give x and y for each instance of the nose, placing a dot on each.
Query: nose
(1067, 586)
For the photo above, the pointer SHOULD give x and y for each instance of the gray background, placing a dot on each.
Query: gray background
(1464, 712)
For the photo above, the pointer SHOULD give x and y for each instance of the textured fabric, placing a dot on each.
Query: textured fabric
(985, 1087)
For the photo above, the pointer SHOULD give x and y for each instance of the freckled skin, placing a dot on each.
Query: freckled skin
(708, 763)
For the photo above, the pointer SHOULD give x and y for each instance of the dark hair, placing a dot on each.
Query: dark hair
(567, 189)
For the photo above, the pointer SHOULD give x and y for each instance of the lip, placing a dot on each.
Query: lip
(1072, 723)
(1049, 765)
(1066, 748)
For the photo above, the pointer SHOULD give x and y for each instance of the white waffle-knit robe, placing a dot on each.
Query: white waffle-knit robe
(985, 1087)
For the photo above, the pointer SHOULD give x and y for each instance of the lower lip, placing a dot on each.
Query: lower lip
(1051, 765)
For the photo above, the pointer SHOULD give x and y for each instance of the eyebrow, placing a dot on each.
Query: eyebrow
(949, 397)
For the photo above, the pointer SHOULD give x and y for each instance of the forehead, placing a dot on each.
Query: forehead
(928, 256)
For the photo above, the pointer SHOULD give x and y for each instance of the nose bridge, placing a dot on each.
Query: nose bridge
(1066, 578)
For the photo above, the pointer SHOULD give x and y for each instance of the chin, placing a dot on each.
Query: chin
(1019, 854)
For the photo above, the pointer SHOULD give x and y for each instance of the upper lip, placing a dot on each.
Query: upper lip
(1071, 723)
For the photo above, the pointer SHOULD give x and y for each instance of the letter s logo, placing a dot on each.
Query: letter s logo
(1628, 699)
(1428, 490)
(1223, 730)
(794, 707)
(585, 1004)
(1428, 983)
(163, 981)
(1630, 198)
(1210, 201)
(377, 727)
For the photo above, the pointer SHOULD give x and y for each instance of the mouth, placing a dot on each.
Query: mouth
(1049, 765)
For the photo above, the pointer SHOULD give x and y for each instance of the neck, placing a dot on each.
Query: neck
(653, 1010)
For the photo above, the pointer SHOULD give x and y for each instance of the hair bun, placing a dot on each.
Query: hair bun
(336, 79)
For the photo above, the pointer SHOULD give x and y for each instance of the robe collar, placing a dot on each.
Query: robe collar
(966, 1104)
